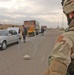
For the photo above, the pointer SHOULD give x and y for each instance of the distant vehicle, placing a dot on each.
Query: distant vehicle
(45, 27)
(32, 27)
(8, 37)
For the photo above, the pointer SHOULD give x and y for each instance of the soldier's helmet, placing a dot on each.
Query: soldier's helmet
(68, 9)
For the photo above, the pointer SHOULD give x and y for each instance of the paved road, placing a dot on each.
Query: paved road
(38, 47)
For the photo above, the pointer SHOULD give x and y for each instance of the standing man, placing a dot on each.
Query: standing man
(42, 30)
(24, 33)
(61, 61)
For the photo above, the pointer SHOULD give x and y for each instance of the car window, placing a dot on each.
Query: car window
(14, 32)
(3, 33)
(11, 32)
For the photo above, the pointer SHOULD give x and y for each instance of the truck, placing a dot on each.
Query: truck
(32, 26)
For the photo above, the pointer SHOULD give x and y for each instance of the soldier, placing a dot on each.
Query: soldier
(61, 61)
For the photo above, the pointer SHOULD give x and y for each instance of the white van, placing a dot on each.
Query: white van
(17, 29)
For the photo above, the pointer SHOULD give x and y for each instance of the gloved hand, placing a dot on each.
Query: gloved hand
(56, 68)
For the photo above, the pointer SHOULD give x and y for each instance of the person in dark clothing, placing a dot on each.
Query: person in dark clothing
(42, 31)
(24, 33)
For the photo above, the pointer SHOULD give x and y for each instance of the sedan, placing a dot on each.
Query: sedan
(8, 37)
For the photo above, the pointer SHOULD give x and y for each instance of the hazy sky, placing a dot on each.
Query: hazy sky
(46, 12)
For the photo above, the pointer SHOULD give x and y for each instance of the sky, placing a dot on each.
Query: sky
(46, 12)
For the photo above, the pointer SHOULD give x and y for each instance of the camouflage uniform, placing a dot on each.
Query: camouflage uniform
(61, 61)
(64, 47)
(62, 55)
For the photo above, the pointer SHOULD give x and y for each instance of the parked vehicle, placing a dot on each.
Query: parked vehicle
(17, 29)
(8, 37)
(45, 27)
(32, 27)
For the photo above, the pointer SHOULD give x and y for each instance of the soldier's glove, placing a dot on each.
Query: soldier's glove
(56, 68)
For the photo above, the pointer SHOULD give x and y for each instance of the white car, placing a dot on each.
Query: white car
(17, 29)
(7, 37)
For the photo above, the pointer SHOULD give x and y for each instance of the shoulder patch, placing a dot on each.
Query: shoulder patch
(60, 39)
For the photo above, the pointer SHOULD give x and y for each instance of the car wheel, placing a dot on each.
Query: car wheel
(18, 41)
(4, 45)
